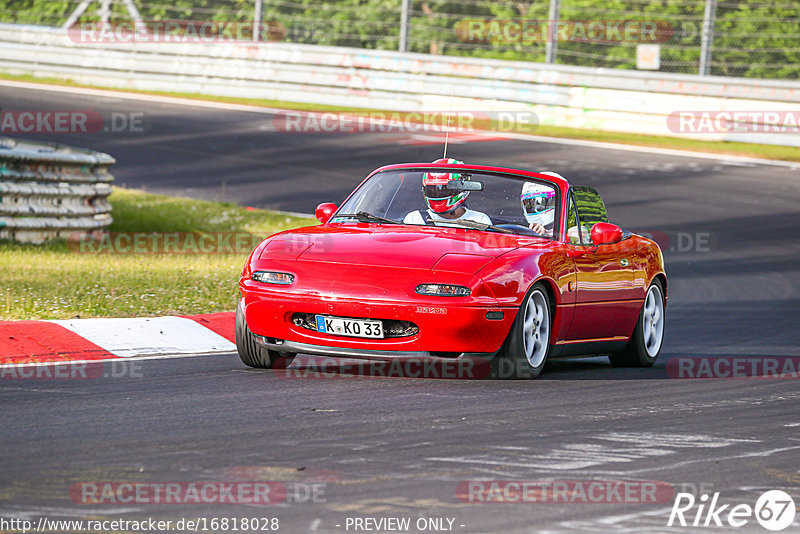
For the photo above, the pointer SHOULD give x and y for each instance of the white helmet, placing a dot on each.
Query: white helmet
(539, 202)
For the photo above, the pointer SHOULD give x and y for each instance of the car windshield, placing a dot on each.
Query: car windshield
(473, 200)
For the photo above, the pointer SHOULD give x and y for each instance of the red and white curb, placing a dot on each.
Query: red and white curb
(102, 339)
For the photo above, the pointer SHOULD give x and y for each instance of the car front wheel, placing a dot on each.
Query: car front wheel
(251, 353)
(525, 351)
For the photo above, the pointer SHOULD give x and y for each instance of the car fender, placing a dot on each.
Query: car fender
(649, 262)
(511, 276)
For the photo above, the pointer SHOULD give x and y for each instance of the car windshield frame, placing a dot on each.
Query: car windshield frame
(475, 174)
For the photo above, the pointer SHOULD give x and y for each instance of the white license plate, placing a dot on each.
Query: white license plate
(340, 326)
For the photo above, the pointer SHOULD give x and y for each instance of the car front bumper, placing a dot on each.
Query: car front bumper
(341, 352)
(445, 329)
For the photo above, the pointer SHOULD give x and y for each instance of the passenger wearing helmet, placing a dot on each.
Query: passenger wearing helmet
(443, 204)
(539, 206)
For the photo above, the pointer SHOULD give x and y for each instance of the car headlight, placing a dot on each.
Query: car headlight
(273, 277)
(443, 290)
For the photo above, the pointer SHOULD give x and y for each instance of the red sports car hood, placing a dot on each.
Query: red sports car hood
(451, 249)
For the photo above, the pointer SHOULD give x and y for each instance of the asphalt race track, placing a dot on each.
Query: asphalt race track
(388, 447)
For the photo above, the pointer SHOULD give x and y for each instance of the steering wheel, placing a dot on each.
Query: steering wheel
(518, 229)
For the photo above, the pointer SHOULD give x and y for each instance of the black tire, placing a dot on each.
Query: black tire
(514, 360)
(642, 349)
(251, 353)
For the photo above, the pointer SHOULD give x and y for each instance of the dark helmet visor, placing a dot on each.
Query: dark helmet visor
(537, 204)
(438, 191)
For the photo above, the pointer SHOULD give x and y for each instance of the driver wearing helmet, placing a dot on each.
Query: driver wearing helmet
(443, 204)
(538, 204)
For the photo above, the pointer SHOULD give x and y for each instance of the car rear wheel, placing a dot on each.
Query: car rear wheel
(648, 335)
(251, 353)
(525, 351)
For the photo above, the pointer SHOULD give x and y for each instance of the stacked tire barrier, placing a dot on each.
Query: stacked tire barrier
(50, 191)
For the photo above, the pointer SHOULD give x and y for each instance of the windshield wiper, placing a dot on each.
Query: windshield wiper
(366, 217)
(474, 224)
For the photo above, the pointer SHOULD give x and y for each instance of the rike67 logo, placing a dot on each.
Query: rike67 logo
(774, 510)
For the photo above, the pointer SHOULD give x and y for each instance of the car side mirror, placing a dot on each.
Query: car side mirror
(325, 211)
(606, 234)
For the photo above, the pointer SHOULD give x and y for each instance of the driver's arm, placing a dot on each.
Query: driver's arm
(483, 218)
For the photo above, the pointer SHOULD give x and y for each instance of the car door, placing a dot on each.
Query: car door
(606, 304)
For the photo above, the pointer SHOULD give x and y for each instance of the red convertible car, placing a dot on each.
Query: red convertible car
(451, 261)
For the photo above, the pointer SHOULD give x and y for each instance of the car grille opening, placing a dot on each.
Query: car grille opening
(391, 327)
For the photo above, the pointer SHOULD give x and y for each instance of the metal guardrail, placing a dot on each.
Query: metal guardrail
(600, 99)
(49, 191)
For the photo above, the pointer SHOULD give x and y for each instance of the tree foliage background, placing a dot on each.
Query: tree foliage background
(752, 38)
